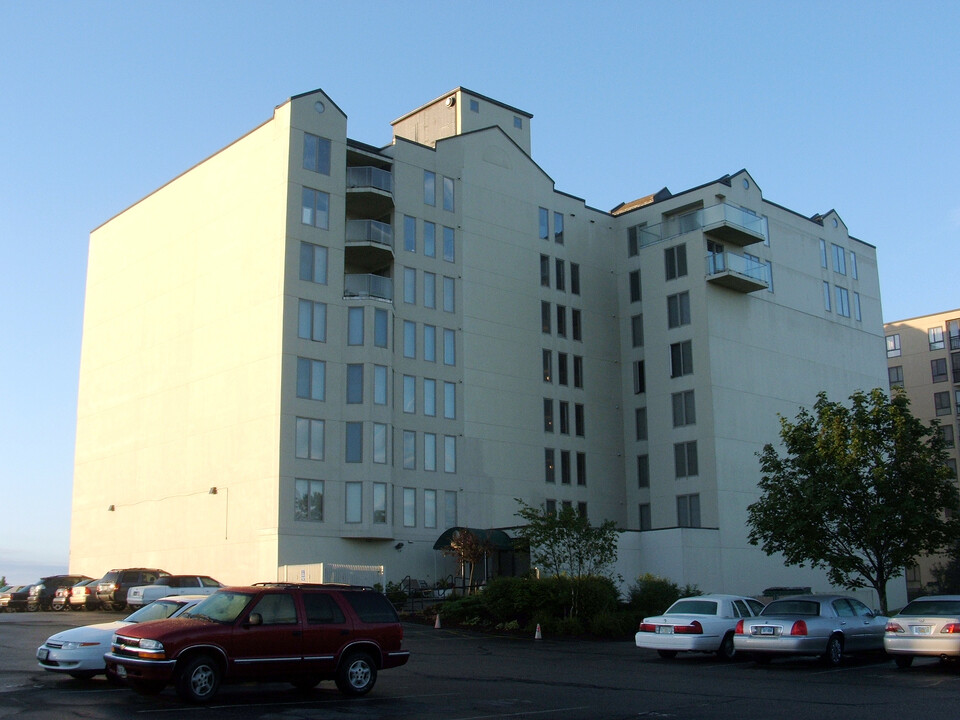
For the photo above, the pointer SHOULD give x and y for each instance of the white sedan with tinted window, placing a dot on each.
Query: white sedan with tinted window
(704, 623)
(169, 585)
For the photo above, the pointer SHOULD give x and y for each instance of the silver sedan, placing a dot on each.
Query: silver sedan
(928, 626)
(825, 625)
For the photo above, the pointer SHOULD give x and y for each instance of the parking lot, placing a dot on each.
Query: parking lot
(458, 675)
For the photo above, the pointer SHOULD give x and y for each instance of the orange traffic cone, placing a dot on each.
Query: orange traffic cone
(538, 635)
(436, 624)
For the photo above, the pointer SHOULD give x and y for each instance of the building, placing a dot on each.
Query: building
(309, 349)
(923, 358)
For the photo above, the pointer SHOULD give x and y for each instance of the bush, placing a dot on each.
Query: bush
(651, 595)
(614, 625)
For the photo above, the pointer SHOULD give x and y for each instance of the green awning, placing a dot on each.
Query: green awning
(497, 539)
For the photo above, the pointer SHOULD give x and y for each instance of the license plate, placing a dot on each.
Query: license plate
(766, 630)
(665, 629)
(43, 654)
(921, 629)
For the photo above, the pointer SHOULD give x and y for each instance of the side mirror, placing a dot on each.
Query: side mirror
(254, 619)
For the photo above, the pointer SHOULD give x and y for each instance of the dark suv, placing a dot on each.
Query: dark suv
(299, 633)
(112, 588)
(41, 593)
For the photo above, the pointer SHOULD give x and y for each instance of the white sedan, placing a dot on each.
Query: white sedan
(79, 651)
(704, 623)
(172, 585)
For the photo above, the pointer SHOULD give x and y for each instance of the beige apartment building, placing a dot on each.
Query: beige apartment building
(309, 349)
(923, 358)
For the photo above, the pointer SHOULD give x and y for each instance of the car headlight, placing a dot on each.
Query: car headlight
(70, 645)
(147, 644)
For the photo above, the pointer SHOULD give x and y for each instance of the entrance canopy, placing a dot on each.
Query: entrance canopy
(497, 539)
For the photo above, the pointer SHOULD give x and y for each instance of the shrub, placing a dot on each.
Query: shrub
(651, 595)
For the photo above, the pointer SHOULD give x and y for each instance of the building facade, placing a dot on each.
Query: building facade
(923, 359)
(308, 349)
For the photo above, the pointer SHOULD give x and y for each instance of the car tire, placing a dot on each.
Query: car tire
(199, 679)
(727, 650)
(145, 687)
(356, 674)
(667, 654)
(833, 655)
(903, 661)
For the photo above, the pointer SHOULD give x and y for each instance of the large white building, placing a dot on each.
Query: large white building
(308, 349)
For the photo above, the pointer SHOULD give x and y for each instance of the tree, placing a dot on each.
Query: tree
(468, 548)
(860, 491)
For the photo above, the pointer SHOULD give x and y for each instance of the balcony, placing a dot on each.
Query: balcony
(369, 191)
(368, 286)
(737, 272)
(369, 231)
(725, 222)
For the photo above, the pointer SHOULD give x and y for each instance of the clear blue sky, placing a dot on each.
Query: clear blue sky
(829, 105)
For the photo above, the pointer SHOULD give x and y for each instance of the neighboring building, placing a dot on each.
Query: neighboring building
(923, 358)
(307, 349)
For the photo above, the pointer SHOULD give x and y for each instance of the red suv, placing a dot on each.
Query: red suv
(299, 633)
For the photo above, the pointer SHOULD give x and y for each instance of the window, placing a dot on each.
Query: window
(578, 422)
(380, 443)
(355, 326)
(474, 106)
(448, 249)
(893, 345)
(548, 366)
(565, 467)
(575, 278)
(938, 368)
(955, 366)
(681, 358)
(581, 468)
(577, 324)
(429, 188)
(448, 295)
(430, 452)
(635, 294)
(409, 450)
(409, 339)
(558, 228)
(450, 508)
(518, 122)
(409, 234)
(633, 240)
(564, 418)
(941, 402)
(640, 421)
(430, 508)
(639, 381)
(450, 400)
(380, 503)
(562, 372)
(678, 309)
(548, 415)
(843, 301)
(449, 453)
(312, 321)
(410, 286)
(545, 271)
(548, 465)
(379, 385)
(354, 437)
(582, 509)
(429, 239)
(688, 510)
(561, 321)
(675, 262)
(839, 260)
(854, 273)
(577, 371)
(561, 275)
(315, 208)
(430, 397)
(953, 330)
(448, 203)
(309, 439)
(946, 431)
(645, 523)
(308, 500)
(316, 154)
(409, 394)
(857, 315)
(684, 410)
(643, 471)
(449, 347)
(685, 459)
(636, 330)
(429, 290)
(545, 317)
(430, 343)
(354, 384)
(311, 379)
(313, 263)
(935, 336)
(380, 327)
(354, 502)
(823, 253)
(895, 375)
(826, 296)
(550, 507)
(544, 224)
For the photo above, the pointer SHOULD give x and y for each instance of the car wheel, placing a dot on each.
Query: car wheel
(727, 650)
(357, 674)
(834, 652)
(199, 679)
(83, 674)
(119, 607)
(667, 654)
(903, 661)
(145, 687)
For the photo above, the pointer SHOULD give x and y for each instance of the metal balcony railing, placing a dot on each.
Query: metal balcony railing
(363, 177)
(732, 223)
(370, 231)
(375, 286)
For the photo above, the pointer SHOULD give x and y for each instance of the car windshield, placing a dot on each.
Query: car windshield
(154, 611)
(223, 607)
(932, 607)
(792, 607)
(693, 607)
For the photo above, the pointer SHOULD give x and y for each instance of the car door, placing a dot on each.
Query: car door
(267, 641)
(326, 631)
(871, 626)
(850, 624)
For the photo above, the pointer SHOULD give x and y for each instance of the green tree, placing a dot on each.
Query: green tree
(859, 491)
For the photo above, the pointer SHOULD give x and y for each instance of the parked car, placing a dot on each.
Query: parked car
(299, 633)
(926, 627)
(7, 594)
(824, 625)
(83, 596)
(172, 585)
(704, 623)
(42, 592)
(61, 598)
(79, 651)
(112, 587)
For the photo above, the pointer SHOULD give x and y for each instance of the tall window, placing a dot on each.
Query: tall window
(313, 263)
(563, 374)
(581, 468)
(311, 379)
(577, 371)
(895, 376)
(675, 262)
(893, 345)
(430, 397)
(308, 500)
(449, 454)
(409, 339)
(633, 240)
(549, 465)
(410, 286)
(449, 347)
(315, 208)
(561, 275)
(938, 368)
(312, 321)
(685, 459)
(854, 273)
(450, 508)
(643, 471)
(645, 522)
(558, 228)
(856, 307)
(941, 403)
(430, 508)
(409, 394)
(565, 467)
(826, 296)
(635, 294)
(640, 421)
(448, 197)
(354, 384)
(449, 254)
(429, 239)
(576, 324)
(409, 233)
(544, 224)
(839, 260)
(316, 154)
(678, 309)
(353, 505)
(575, 278)
(545, 322)
(379, 503)
(681, 358)
(309, 439)
(429, 290)
(354, 443)
(430, 452)
(548, 366)
(545, 271)
(548, 415)
(561, 321)
(823, 253)
(409, 450)
(429, 188)
(684, 410)
(639, 379)
(843, 301)
(636, 330)
(449, 299)
(355, 326)
(449, 400)
(688, 510)
(935, 338)
(380, 443)
(430, 343)
(564, 417)
(380, 327)
(578, 422)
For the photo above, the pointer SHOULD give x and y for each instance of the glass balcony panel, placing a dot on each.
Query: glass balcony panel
(375, 286)
(737, 272)
(359, 177)
(370, 231)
